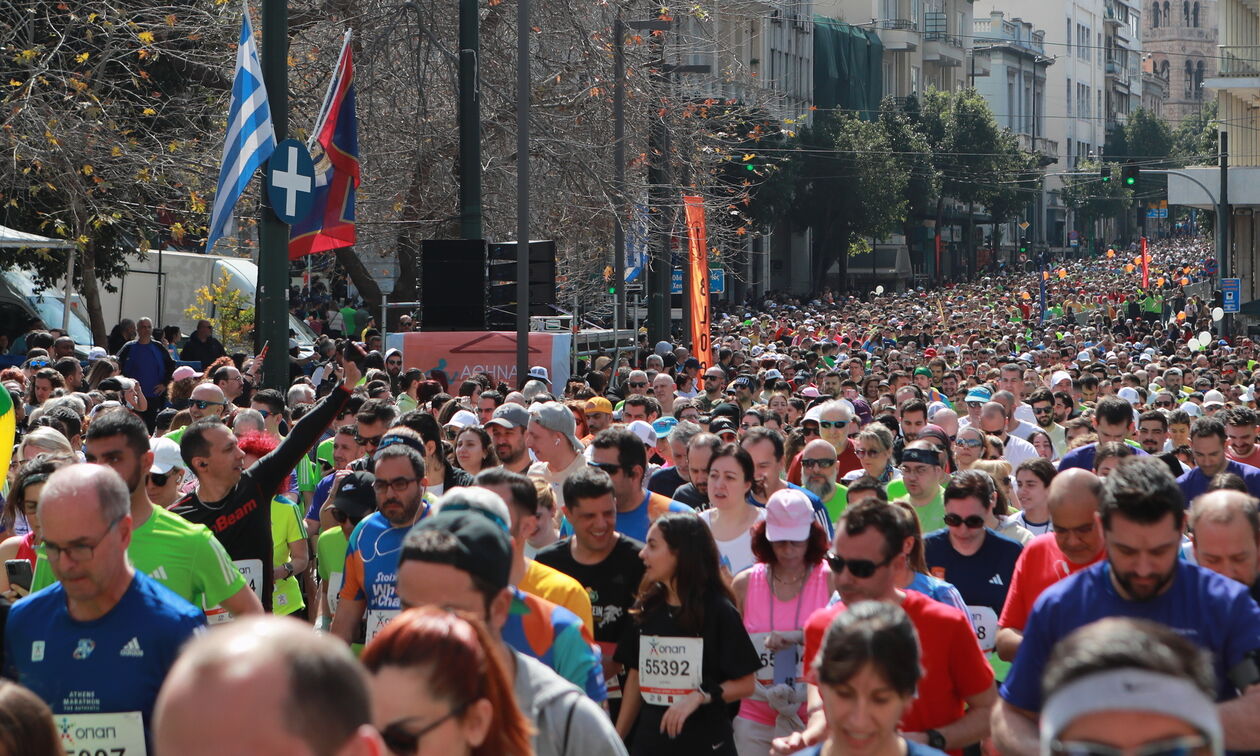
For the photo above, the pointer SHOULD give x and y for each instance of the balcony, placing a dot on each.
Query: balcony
(1111, 17)
(944, 49)
(898, 34)
(1040, 144)
(1239, 72)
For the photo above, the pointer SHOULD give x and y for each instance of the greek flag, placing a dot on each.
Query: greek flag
(250, 139)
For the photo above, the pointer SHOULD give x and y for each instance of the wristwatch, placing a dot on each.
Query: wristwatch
(935, 739)
(288, 567)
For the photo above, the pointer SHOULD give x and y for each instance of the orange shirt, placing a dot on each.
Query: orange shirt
(1040, 565)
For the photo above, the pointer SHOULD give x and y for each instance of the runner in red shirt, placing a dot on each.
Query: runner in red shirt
(956, 693)
(1076, 543)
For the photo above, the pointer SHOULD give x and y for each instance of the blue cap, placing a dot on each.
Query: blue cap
(979, 394)
(664, 425)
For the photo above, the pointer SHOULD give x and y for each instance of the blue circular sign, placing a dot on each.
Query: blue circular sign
(291, 181)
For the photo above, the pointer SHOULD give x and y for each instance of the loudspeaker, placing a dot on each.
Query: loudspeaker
(453, 285)
(501, 313)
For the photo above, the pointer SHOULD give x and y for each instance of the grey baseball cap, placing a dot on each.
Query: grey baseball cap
(510, 415)
(554, 416)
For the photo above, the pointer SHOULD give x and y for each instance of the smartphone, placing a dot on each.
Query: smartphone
(19, 572)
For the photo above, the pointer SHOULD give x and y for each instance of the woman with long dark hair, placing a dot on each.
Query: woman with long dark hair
(688, 653)
(440, 686)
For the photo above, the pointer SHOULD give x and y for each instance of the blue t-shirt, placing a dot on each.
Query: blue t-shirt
(112, 664)
(820, 510)
(1083, 456)
(935, 589)
(912, 749)
(1195, 482)
(1215, 612)
(982, 578)
(635, 523)
(322, 489)
(146, 363)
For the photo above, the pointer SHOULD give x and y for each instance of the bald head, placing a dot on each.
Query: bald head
(1073, 501)
(286, 689)
(72, 487)
(818, 449)
(1226, 532)
(1074, 487)
(207, 392)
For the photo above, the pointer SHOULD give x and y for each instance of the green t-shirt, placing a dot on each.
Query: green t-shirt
(330, 551)
(176, 435)
(286, 527)
(347, 315)
(308, 474)
(836, 504)
(932, 516)
(181, 555)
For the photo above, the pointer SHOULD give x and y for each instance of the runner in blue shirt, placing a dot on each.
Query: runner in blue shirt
(1207, 443)
(621, 454)
(100, 641)
(1143, 577)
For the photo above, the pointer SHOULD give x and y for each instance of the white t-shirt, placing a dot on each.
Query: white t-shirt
(736, 553)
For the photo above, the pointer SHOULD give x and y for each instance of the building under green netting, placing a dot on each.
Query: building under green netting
(848, 67)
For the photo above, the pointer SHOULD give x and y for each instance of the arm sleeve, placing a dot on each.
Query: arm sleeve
(218, 576)
(352, 577)
(576, 662)
(271, 470)
(1015, 610)
(969, 668)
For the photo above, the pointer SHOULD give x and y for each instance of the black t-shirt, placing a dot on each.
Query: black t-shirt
(688, 494)
(611, 584)
(242, 519)
(666, 481)
(983, 578)
(728, 654)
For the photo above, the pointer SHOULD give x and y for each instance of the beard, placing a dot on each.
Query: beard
(1143, 592)
(823, 488)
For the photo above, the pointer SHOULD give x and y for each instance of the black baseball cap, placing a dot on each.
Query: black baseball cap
(355, 497)
(484, 551)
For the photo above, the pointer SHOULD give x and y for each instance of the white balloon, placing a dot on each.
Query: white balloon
(1218, 313)
(1193, 344)
(879, 290)
(1205, 338)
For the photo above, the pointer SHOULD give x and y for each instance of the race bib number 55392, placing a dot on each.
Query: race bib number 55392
(120, 734)
(669, 667)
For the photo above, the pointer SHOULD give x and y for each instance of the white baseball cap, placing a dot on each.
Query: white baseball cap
(165, 456)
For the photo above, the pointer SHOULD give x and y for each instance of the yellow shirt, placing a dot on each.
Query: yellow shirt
(558, 588)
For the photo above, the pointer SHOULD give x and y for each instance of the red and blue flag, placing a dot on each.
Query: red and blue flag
(334, 146)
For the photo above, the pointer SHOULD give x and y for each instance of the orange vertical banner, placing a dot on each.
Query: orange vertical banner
(1146, 266)
(698, 258)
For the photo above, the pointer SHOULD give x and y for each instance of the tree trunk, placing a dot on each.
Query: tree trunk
(91, 292)
(362, 278)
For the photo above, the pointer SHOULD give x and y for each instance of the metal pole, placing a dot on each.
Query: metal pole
(522, 189)
(619, 182)
(469, 121)
(659, 280)
(71, 253)
(1222, 221)
(272, 298)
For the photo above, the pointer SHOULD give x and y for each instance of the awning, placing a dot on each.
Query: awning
(11, 238)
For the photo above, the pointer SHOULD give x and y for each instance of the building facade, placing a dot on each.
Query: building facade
(1181, 37)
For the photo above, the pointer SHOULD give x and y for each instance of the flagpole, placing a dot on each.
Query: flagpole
(272, 303)
(328, 94)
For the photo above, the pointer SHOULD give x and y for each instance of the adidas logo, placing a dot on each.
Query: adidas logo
(132, 648)
(159, 573)
(995, 580)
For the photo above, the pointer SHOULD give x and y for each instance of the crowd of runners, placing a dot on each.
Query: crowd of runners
(1016, 515)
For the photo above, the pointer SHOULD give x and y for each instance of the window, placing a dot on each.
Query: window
(1194, 16)
(1189, 89)
(1070, 94)
(1155, 15)
(1198, 81)
(1069, 41)
(1185, 12)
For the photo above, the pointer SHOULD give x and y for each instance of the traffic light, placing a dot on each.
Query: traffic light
(1104, 173)
(1129, 175)
(1023, 245)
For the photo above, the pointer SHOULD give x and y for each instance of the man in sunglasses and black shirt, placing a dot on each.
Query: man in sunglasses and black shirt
(235, 503)
(956, 692)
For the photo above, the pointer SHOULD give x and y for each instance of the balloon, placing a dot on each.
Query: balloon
(1205, 338)
(1185, 282)
(1137, 260)
(1027, 296)
(1111, 253)
(1062, 273)
(879, 290)
(1193, 345)
(1217, 313)
(1159, 282)
(1181, 317)
(1128, 267)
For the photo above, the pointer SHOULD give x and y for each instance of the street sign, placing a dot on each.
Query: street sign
(291, 181)
(1023, 225)
(717, 281)
(1209, 266)
(1231, 294)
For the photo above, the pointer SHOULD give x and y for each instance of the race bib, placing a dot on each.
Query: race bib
(985, 621)
(251, 570)
(377, 619)
(119, 734)
(669, 667)
(335, 581)
(786, 666)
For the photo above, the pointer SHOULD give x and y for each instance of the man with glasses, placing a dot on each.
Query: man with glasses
(976, 559)
(994, 420)
(230, 381)
(834, 419)
(202, 346)
(956, 692)
(765, 446)
(818, 465)
(922, 475)
(636, 383)
(621, 454)
(234, 502)
(714, 386)
(103, 638)
(368, 599)
(1041, 402)
(974, 400)
(206, 401)
(374, 418)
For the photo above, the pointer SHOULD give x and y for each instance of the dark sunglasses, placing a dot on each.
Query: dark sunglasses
(39, 363)
(265, 413)
(403, 743)
(1043, 410)
(608, 467)
(202, 404)
(973, 522)
(823, 463)
(809, 430)
(832, 423)
(159, 479)
(368, 440)
(858, 568)
(636, 384)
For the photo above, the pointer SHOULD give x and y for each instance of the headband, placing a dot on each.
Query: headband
(398, 439)
(922, 456)
(1130, 690)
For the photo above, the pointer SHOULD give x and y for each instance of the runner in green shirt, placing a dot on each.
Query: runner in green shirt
(289, 554)
(181, 555)
(922, 474)
(352, 499)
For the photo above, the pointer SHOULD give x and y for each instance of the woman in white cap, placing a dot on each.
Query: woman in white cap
(775, 596)
(1129, 686)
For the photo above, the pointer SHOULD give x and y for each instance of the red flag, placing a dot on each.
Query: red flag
(1146, 267)
(698, 246)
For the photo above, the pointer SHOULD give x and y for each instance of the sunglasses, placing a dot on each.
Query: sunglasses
(159, 479)
(973, 522)
(635, 384)
(869, 452)
(202, 404)
(403, 743)
(1183, 746)
(608, 467)
(1043, 410)
(368, 440)
(829, 424)
(39, 363)
(265, 413)
(969, 443)
(1163, 404)
(809, 430)
(858, 568)
(823, 463)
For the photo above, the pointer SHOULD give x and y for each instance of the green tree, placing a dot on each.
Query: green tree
(849, 186)
(1093, 198)
(1194, 141)
(913, 154)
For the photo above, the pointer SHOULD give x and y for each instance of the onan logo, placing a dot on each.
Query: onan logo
(656, 647)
